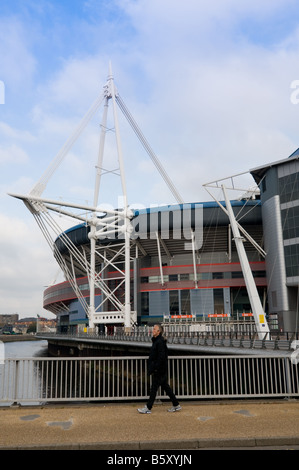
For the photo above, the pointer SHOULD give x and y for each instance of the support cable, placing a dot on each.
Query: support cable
(40, 186)
(148, 149)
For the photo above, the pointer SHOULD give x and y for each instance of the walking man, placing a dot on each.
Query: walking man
(157, 367)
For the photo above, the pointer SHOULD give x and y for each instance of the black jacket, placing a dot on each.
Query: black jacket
(158, 357)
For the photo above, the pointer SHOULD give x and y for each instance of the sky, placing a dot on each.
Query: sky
(213, 85)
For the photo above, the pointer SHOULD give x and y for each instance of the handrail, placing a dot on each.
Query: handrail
(45, 380)
(230, 339)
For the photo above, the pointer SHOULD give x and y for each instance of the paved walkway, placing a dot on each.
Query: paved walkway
(121, 427)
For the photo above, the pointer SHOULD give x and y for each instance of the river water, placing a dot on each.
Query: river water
(19, 350)
(22, 349)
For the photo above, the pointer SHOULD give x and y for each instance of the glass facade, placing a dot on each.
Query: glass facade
(178, 295)
(218, 300)
(290, 222)
(289, 199)
(279, 184)
(289, 188)
(200, 276)
(199, 302)
(291, 253)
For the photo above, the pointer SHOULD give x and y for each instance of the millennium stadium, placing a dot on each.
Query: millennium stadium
(171, 276)
(234, 259)
(167, 276)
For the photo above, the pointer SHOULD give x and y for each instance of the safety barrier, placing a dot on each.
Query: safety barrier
(278, 341)
(43, 380)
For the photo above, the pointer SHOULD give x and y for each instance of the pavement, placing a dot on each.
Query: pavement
(118, 426)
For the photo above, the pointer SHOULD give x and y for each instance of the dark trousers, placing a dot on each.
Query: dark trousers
(158, 380)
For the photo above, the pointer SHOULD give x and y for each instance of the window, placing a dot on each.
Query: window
(237, 275)
(218, 300)
(289, 188)
(84, 287)
(217, 275)
(291, 254)
(174, 306)
(144, 303)
(154, 279)
(290, 222)
(204, 276)
(259, 273)
(185, 302)
(158, 278)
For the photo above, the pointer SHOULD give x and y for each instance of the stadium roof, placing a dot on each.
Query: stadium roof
(260, 171)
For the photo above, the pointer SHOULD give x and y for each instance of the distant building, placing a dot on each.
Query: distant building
(34, 324)
(9, 319)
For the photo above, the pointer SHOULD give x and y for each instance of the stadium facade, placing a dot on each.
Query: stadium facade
(168, 278)
(279, 188)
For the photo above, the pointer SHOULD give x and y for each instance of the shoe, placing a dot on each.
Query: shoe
(144, 410)
(175, 408)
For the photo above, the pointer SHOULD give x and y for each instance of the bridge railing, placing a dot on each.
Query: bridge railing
(45, 380)
(280, 342)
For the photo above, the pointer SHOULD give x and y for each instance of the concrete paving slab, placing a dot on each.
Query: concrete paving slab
(120, 426)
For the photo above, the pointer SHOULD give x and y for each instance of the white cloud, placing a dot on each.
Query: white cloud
(216, 102)
(12, 154)
(16, 134)
(18, 64)
(74, 86)
(13, 151)
(26, 266)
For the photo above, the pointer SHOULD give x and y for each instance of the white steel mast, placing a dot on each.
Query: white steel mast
(102, 223)
(110, 93)
(259, 315)
(254, 298)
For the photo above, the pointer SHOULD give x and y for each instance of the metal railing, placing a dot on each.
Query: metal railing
(280, 342)
(43, 380)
